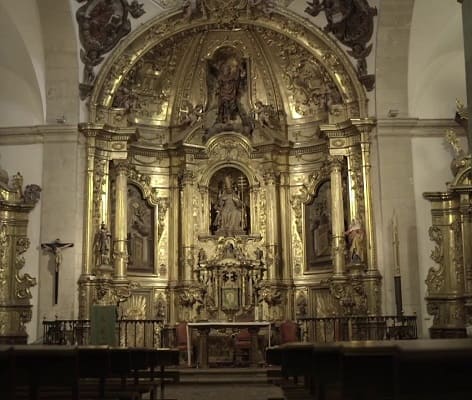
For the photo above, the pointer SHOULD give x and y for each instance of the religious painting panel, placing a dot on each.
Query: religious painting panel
(318, 228)
(229, 202)
(230, 299)
(140, 232)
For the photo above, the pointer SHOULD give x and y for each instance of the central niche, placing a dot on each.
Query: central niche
(229, 200)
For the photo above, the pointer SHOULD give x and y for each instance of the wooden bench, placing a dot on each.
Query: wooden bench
(85, 372)
(376, 370)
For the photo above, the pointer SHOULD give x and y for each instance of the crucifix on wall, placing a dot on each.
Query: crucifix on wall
(56, 248)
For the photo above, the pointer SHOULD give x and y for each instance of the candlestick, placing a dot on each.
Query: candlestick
(396, 245)
(396, 264)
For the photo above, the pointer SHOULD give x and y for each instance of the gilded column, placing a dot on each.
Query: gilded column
(173, 232)
(86, 282)
(87, 267)
(272, 219)
(337, 215)
(354, 185)
(187, 224)
(120, 247)
(372, 278)
(285, 221)
(365, 127)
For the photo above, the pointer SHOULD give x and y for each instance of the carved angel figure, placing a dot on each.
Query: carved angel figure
(191, 8)
(264, 114)
(191, 115)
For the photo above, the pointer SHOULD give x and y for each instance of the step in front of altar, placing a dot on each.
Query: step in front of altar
(228, 375)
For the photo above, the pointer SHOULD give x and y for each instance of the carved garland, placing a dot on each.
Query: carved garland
(4, 240)
(435, 278)
(457, 253)
(23, 282)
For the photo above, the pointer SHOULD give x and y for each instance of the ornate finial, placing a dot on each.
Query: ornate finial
(3, 175)
(462, 109)
(451, 138)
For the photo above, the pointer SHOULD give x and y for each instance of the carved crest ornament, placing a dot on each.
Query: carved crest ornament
(212, 136)
(352, 23)
(102, 23)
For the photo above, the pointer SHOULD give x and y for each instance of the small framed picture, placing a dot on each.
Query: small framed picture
(230, 298)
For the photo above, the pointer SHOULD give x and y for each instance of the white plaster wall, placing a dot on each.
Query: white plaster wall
(436, 75)
(28, 160)
(431, 157)
(19, 103)
(22, 57)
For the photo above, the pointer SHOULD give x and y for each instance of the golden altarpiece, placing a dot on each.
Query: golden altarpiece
(449, 282)
(16, 202)
(228, 172)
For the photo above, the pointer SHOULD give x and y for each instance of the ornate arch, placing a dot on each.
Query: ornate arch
(281, 25)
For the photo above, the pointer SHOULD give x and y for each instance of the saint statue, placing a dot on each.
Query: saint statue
(229, 81)
(230, 217)
(355, 236)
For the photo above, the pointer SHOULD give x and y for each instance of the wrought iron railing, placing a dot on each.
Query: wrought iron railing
(154, 333)
(334, 329)
(130, 332)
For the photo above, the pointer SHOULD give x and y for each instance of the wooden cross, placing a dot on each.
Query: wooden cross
(56, 249)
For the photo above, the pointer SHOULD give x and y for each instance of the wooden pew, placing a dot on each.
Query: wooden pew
(434, 369)
(33, 369)
(85, 372)
(376, 370)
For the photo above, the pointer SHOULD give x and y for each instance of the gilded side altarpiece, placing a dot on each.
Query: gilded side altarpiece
(16, 202)
(228, 166)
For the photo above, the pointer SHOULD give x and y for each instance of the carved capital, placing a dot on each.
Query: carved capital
(336, 163)
(270, 177)
(122, 167)
(187, 177)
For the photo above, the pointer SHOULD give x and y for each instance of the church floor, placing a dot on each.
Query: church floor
(224, 384)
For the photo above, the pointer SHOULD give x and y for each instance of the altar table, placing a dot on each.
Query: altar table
(204, 329)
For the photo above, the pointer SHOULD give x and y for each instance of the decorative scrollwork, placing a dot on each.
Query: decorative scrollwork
(98, 190)
(23, 285)
(352, 23)
(226, 10)
(162, 206)
(435, 278)
(4, 242)
(351, 295)
(457, 253)
(102, 23)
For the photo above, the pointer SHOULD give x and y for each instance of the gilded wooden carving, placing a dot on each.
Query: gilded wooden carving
(15, 286)
(220, 111)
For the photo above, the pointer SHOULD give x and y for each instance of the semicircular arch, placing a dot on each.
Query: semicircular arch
(282, 25)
